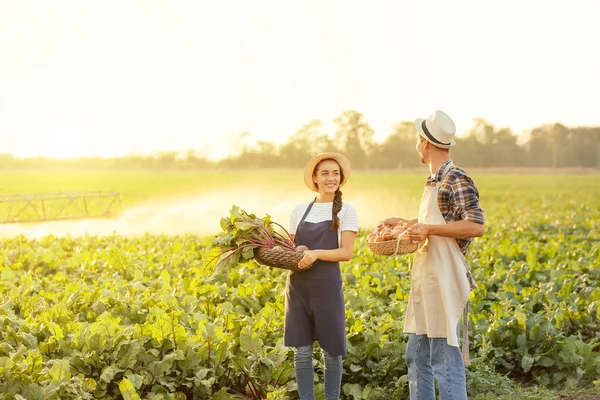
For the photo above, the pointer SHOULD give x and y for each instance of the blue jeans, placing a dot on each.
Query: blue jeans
(305, 373)
(433, 358)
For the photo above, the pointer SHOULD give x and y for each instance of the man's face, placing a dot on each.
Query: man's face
(420, 146)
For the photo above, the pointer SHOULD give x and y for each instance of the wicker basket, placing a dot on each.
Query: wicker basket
(279, 258)
(393, 247)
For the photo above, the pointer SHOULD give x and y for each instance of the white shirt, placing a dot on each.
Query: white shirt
(322, 212)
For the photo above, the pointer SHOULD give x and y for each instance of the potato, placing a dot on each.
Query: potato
(397, 231)
(301, 248)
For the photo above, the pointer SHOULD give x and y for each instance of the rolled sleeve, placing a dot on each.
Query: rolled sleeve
(466, 200)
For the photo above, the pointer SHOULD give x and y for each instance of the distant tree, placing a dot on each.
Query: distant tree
(552, 145)
(191, 160)
(268, 156)
(558, 139)
(354, 137)
(488, 146)
(304, 144)
(586, 145)
(547, 145)
(397, 149)
(166, 159)
(241, 143)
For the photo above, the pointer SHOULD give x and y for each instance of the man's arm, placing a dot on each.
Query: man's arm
(395, 221)
(465, 197)
(458, 230)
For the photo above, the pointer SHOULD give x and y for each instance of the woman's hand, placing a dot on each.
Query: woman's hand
(309, 257)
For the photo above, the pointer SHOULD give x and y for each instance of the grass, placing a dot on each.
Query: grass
(375, 195)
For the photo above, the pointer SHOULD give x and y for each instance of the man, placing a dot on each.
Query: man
(449, 217)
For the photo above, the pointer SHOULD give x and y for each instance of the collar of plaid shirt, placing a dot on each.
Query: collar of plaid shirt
(439, 175)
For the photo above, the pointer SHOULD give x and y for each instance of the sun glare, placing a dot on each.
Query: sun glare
(72, 111)
(67, 142)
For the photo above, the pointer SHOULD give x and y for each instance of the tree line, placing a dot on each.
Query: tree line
(484, 146)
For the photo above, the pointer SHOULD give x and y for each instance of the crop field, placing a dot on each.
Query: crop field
(128, 307)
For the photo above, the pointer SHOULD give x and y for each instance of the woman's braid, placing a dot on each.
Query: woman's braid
(337, 206)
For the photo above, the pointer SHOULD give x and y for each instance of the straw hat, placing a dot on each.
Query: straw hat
(310, 167)
(438, 129)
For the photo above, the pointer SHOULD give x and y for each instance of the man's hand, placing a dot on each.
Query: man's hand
(397, 221)
(419, 232)
(309, 257)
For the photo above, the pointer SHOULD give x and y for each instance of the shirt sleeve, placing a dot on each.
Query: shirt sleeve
(294, 220)
(466, 199)
(349, 221)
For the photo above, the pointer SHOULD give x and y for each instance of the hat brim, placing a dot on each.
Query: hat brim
(418, 123)
(312, 163)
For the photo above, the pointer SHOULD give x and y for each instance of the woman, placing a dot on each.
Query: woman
(314, 301)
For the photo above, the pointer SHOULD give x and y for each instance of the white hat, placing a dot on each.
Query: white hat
(438, 129)
(310, 167)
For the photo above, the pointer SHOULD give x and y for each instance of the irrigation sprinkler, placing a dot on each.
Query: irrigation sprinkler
(37, 207)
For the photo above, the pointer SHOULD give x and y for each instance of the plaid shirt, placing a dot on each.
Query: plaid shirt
(458, 198)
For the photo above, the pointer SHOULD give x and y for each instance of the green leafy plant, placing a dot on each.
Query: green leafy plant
(91, 317)
(242, 234)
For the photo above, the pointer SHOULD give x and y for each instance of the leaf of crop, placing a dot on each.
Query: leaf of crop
(56, 330)
(222, 394)
(367, 391)
(522, 343)
(526, 363)
(158, 368)
(245, 226)
(546, 362)
(223, 240)
(354, 390)
(268, 362)
(128, 391)
(60, 370)
(249, 340)
(135, 379)
(235, 214)
(221, 353)
(267, 221)
(109, 373)
(248, 253)
(355, 368)
(128, 353)
(227, 262)
(532, 257)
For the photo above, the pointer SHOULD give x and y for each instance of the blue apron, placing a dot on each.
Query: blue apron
(314, 300)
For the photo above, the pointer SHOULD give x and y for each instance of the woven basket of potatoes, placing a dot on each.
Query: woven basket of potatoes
(388, 241)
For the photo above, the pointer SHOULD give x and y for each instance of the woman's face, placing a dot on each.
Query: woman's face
(327, 176)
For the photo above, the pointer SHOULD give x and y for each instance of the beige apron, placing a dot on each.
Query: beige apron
(439, 285)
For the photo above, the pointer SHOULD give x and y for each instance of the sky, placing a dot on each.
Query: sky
(114, 78)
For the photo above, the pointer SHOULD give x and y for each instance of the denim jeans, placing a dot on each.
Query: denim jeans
(305, 373)
(433, 358)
